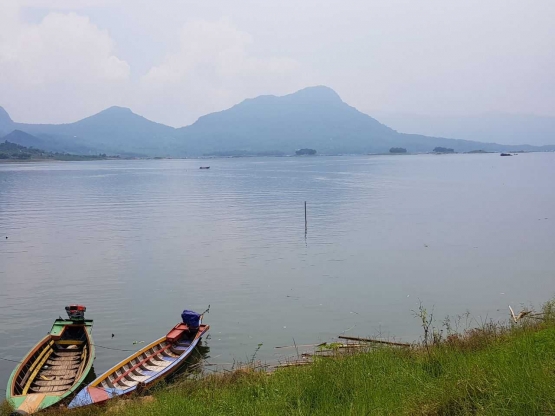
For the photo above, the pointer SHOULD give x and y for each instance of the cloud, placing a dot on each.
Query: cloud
(67, 4)
(63, 65)
(465, 57)
(62, 47)
(212, 69)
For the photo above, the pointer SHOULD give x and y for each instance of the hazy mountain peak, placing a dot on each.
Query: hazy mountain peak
(311, 97)
(23, 139)
(18, 132)
(4, 116)
(113, 114)
(318, 92)
(117, 110)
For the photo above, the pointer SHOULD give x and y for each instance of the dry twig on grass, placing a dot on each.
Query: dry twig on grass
(376, 341)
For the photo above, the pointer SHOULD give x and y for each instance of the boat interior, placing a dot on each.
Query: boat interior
(56, 365)
(151, 361)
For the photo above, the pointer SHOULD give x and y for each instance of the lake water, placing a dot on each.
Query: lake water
(139, 241)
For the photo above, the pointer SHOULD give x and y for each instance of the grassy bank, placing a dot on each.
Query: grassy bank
(494, 370)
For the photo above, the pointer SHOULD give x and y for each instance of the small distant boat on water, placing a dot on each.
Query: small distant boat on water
(147, 366)
(204, 167)
(506, 154)
(56, 366)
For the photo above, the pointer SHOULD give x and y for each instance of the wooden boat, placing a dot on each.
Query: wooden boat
(204, 167)
(147, 366)
(56, 366)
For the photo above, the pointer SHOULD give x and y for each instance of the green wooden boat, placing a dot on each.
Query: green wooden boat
(56, 366)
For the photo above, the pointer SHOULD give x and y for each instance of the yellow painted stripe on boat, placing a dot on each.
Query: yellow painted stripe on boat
(83, 363)
(38, 367)
(122, 363)
(46, 349)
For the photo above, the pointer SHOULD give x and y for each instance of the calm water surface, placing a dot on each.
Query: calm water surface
(138, 241)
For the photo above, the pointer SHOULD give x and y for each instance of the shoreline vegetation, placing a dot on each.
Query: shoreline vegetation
(496, 368)
(11, 152)
(14, 153)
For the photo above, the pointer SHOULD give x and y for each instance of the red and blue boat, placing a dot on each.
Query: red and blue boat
(147, 366)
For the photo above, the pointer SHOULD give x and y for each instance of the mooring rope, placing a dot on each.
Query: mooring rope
(102, 346)
(96, 345)
(7, 359)
(111, 348)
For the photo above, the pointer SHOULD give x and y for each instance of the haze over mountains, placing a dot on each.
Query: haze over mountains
(314, 117)
(496, 127)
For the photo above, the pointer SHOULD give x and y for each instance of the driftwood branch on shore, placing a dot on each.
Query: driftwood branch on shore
(294, 364)
(304, 345)
(522, 314)
(376, 341)
(513, 314)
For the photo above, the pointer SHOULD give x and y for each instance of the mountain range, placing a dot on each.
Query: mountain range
(314, 117)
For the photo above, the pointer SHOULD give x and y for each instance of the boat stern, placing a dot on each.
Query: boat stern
(32, 403)
(92, 395)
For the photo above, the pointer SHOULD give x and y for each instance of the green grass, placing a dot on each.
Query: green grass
(495, 370)
(514, 376)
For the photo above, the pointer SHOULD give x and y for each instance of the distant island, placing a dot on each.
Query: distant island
(440, 149)
(15, 152)
(302, 152)
(397, 150)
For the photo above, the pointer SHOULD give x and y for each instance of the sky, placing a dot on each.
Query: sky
(175, 60)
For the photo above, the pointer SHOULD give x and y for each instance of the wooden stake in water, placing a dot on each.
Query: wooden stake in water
(305, 222)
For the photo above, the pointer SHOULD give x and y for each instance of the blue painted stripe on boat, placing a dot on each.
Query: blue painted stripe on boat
(114, 392)
(181, 358)
(179, 348)
(82, 399)
(175, 363)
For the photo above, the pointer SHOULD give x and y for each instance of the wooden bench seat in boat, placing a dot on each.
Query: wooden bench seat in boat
(121, 376)
(179, 349)
(43, 383)
(67, 353)
(177, 332)
(48, 389)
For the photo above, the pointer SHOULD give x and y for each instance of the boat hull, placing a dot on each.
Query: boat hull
(54, 368)
(146, 367)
